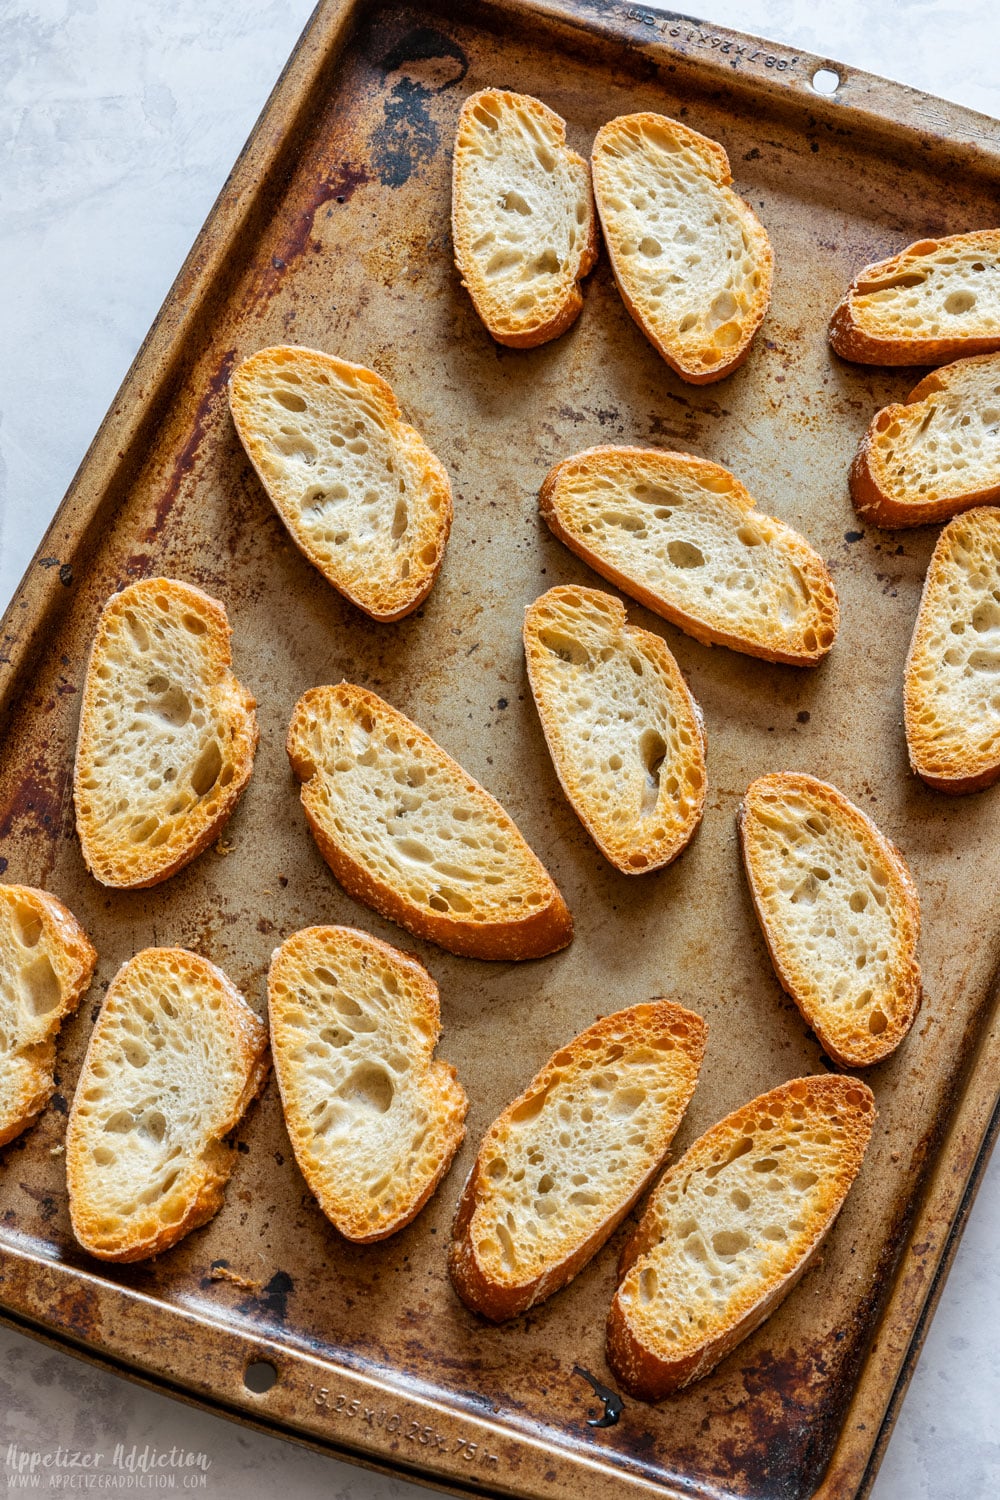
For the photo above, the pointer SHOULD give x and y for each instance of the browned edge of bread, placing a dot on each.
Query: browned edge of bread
(650, 1378)
(484, 1295)
(536, 936)
(218, 1157)
(61, 928)
(820, 582)
(573, 304)
(870, 1049)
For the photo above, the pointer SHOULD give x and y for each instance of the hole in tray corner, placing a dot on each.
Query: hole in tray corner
(826, 80)
(259, 1376)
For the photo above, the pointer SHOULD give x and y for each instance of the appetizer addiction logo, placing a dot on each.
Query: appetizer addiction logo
(127, 1468)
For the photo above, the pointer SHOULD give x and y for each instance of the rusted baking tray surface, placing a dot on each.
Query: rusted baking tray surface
(333, 231)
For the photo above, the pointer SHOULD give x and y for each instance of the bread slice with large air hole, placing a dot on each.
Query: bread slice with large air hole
(934, 301)
(362, 495)
(625, 735)
(692, 261)
(175, 1057)
(373, 1118)
(683, 537)
(523, 221)
(561, 1167)
(731, 1228)
(938, 453)
(839, 911)
(46, 964)
(952, 683)
(167, 734)
(408, 832)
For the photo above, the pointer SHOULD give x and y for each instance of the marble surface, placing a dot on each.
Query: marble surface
(119, 120)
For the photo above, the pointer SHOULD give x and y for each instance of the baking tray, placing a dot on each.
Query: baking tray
(333, 231)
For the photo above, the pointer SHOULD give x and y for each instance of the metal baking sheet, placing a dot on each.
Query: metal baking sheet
(333, 232)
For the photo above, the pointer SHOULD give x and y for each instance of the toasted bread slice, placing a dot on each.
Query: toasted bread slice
(936, 300)
(938, 454)
(625, 735)
(167, 734)
(522, 217)
(374, 1120)
(692, 260)
(951, 692)
(682, 536)
(839, 912)
(174, 1059)
(362, 495)
(408, 832)
(563, 1164)
(731, 1228)
(46, 964)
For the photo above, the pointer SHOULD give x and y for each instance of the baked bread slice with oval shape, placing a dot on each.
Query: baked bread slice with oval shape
(839, 911)
(732, 1227)
(362, 495)
(625, 735)
(522, 215)
(934, 301)
(683, 537)
(936, 454)
(692, 261)
(409, 833)
(46, 964)
(175, 1057)
(562, 1165)
(373, 1118)
(167, 734)
(951, 694)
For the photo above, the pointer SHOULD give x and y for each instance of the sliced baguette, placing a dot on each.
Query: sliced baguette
(682, 536)
(936, 455)
(522, 215)
(692, 261)
(625, 735)
(564, 1163)
(839, 912)
(731, 1228)
(174, 1059)
(951, 689)
(362, 495)
(167, 734)
(936, 300)
(408, 832)
(46, 964)
(374, 1120)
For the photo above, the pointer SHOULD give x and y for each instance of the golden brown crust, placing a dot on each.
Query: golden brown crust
(649, 1374)
(436, 1079)
(871, 493)
(386, 603)
(544, 931)
(527, 336)
(73, 958)
(112, 863)
(855, 325)
(699, 371)
(815, 574)
(636, 846)
(866, 1048)
(957, 768)
(215, 1164)
(498, 1300)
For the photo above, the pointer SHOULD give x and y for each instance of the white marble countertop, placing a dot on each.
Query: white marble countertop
(119, 120)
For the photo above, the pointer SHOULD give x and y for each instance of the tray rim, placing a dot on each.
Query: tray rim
(878, 107)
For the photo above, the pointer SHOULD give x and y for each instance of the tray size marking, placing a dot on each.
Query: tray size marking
(725, 46)
(424, 1435)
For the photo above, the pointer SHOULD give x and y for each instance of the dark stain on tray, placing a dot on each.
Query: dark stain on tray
(408, 135)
